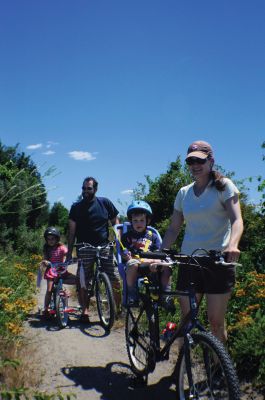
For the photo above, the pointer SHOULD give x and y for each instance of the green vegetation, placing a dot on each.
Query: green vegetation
(24, 214)
(59, 217)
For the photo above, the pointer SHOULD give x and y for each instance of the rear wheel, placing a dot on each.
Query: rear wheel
(61, 304)
(138, 330)
(105, 301)
(212, 375)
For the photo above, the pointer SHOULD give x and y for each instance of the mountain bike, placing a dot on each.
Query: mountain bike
(60, 296)
(100, 285)
(204, 369)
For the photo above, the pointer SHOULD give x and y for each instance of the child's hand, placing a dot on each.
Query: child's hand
(153, 266)
(45, 264)
(126, 255)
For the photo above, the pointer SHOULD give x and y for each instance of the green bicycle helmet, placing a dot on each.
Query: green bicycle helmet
(139, 206)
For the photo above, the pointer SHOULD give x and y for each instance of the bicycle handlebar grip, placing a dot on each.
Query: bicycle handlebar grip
(153, 254)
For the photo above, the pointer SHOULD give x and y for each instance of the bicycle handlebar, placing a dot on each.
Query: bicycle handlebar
(177, 258)
(88, 245)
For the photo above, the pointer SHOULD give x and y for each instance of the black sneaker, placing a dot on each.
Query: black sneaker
(132, 302)
(167, 302)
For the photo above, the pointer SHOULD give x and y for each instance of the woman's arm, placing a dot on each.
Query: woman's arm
(173, 230)
(233, 209)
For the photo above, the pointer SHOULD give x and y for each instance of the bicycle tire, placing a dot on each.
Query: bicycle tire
(212, 371)
(138, 337)
(53, 302)
(105, 301)
(61, 303)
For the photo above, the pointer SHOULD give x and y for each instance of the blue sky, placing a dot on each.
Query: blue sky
(117, 89)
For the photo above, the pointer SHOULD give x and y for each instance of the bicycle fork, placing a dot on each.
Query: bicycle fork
(188, 343)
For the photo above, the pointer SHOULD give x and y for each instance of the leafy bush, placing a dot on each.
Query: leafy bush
(246, 325)
(17, 286)
(248, 348)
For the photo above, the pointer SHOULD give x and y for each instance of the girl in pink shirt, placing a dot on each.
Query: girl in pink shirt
(54, 252)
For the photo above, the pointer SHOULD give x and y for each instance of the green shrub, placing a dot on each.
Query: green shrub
(247, 347)
(17, 287)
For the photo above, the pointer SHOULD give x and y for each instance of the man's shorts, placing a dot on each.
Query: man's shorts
(211, 278)
(108, 263)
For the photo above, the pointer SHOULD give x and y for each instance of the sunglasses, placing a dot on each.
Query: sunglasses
(89, 188)
(196, 160)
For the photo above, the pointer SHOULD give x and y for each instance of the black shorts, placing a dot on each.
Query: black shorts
(210, 278)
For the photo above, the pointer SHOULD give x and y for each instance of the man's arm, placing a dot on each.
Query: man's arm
(115, 220)
(71, 238)
(173, 230)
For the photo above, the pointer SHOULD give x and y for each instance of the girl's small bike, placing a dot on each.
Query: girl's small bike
(59, 306)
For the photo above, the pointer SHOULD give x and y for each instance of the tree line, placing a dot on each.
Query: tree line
(24, 209)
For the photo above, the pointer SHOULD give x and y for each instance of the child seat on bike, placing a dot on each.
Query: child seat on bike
(121, 229)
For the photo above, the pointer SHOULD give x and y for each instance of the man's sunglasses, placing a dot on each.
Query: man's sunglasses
(89, 188)
(196, 160)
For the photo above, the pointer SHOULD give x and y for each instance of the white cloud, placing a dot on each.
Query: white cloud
(127, 191)
(34, 146)
(50, 144)
(81, 155)
(48, 153)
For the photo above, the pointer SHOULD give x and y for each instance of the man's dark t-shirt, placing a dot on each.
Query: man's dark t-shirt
(91, 220)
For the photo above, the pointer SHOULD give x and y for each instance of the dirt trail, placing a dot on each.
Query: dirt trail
(83, 360)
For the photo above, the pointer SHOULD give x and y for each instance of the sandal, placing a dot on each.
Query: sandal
(84, 319)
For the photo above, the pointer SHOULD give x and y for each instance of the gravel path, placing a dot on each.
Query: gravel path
(83, 360)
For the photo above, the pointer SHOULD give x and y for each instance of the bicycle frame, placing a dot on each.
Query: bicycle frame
(97, 262)
(59, 298)
(100, 286)
(91, 289)
(189, 322)
(58, 281)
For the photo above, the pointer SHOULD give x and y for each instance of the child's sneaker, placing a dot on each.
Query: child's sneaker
(167, 302)
(132, 302)
(132, 297)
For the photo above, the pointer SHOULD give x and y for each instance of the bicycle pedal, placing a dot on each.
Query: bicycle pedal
(64, 293)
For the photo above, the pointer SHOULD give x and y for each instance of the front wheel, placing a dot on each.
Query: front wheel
(61, 304)
(138, 333)
(205, 371)
(105, 301)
